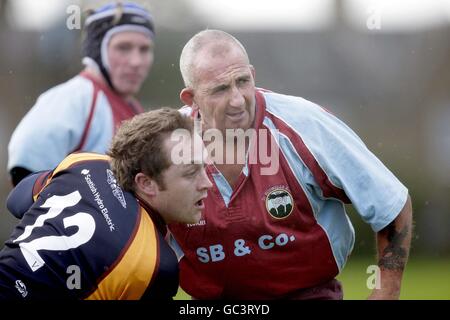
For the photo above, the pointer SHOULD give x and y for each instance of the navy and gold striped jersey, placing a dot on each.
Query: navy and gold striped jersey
(85, 238)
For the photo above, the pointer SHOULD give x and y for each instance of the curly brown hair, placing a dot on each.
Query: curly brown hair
(138, 145)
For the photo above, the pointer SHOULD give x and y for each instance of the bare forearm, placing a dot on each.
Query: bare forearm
(393, 244)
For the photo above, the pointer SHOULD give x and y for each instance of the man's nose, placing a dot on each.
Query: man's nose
(237, 98)
(204, 182)
(135, 58)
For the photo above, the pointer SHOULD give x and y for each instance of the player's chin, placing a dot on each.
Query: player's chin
(127, 89)
(189, 216)
(242, 123)
(196, 215)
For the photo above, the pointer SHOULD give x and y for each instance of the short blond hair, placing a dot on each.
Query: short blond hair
(209, 37)
(138, 145)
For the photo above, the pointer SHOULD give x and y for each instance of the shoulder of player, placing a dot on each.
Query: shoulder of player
(79, 158)
(295, 111)
(77, 91)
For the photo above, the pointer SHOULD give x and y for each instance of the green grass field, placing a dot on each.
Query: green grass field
(423, 279)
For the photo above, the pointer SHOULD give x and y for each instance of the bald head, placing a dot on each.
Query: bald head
(214, 43)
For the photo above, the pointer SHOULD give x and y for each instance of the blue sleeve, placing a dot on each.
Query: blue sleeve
(20, 199)
(377, 195)
(373, 189)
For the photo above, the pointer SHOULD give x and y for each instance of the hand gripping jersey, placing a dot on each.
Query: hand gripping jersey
(81, 114)
(84, 238)
(283, 227)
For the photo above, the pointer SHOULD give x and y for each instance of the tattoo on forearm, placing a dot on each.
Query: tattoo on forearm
(394, 255)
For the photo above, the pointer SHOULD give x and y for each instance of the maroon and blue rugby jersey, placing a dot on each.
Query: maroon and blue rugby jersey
(282, 227)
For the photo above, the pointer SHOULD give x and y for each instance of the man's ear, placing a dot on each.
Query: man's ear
(187, 96)
(145, 185)
(252, 69)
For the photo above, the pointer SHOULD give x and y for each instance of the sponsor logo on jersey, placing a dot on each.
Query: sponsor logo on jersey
(279, 203)
(22, 288)
(116, 190)
(202, 222)
(98, 199)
